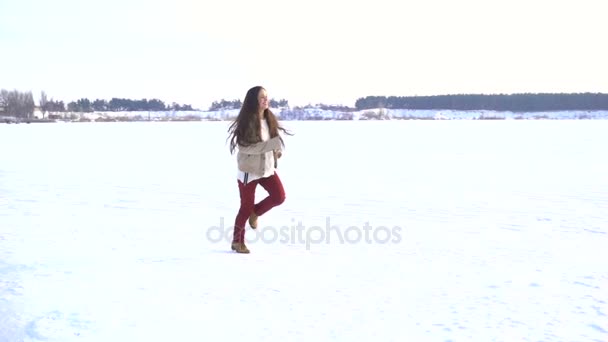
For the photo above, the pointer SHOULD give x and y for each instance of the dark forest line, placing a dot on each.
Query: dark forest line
(527, 102)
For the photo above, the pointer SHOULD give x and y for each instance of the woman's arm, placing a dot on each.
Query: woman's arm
(262, 147)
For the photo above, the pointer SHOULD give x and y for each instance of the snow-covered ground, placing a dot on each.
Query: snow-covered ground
(425, 231)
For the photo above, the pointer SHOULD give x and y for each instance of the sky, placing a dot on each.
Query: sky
(308, 52)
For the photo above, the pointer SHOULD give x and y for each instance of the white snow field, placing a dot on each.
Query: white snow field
(468, 230)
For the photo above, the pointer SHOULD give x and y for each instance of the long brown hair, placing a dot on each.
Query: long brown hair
(245, 129)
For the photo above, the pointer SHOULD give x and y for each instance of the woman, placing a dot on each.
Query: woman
(255, 132)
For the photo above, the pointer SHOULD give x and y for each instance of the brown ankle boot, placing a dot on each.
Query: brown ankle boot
(240, 247)
(253, 220)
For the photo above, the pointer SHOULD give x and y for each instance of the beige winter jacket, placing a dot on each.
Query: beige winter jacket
(252, 158)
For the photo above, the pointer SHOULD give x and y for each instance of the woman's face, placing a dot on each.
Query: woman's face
(263, 99)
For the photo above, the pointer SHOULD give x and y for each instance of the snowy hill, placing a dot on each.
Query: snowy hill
(314, 113)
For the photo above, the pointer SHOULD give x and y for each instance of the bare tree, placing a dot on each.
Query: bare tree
(28, 104)
(44, 103)
(3, 102)
(17, 104)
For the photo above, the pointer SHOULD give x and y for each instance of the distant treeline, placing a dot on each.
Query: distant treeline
(114, 105)
(236, 104)
(514, 103)
(21, 104)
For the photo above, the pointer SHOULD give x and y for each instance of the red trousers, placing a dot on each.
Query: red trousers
(276, 196)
